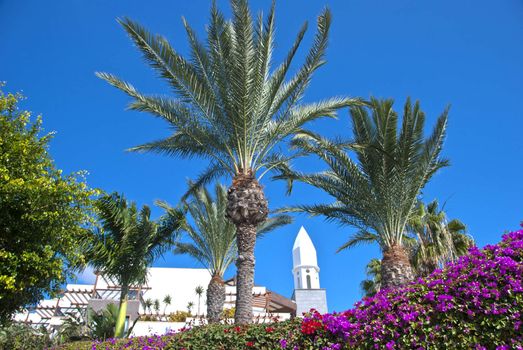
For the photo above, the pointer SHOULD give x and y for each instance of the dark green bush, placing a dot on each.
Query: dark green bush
(22, 337)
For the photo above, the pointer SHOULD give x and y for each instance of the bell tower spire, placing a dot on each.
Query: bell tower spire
(306, 274)
(305, 262)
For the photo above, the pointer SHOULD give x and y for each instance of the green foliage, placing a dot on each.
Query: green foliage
(432, 241)
(190, 305)
(148, 304)
(102, 324)
(179, 316)
(375, 180)
(96, 325)
(229, 105)
(128, 242)
(435, 240)
(43, 213)
(210, 337)
(229, 313)
(24, 337)
(156, 305)
(213, 236)
(372, 284)
(73, 328)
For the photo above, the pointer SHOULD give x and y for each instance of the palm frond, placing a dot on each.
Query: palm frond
(377, 189)
(273, 223)
(128, 241)
(229, 105)
(360, 237)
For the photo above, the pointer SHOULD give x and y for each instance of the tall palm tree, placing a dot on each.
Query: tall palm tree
(212, 241)
(128, 242)
(378, 191)
(232, 108)
(438, 241)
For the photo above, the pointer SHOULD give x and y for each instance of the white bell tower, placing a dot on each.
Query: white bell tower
(305, 262)
(306, 272)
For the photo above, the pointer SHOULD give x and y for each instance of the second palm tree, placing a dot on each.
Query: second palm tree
(212, 241)
(378, 192)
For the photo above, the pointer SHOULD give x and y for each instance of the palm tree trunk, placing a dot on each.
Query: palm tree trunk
(122, 313)
(246, 239)
(215, 299)
(396, 269)
(246, 208)
(199, 298)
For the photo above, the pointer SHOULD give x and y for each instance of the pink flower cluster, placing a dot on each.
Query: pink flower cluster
(478, 299)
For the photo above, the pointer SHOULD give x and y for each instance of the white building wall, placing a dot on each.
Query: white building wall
(180, 284)
(142, 328)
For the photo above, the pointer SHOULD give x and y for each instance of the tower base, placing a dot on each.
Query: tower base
(307, 299)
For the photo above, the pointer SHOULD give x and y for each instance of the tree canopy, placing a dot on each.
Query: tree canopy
(43, 213)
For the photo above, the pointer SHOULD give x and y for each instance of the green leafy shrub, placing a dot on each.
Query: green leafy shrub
(228, 313)
(179, 316)
(44, 213)
(210, 337)
(23, 337)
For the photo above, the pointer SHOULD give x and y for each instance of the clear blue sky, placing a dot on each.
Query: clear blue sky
(465, 53)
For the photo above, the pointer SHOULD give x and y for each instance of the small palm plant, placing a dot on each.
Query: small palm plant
(378, 191)
(102, 324)
(199, 292)
(190, 305)
(156, 306)
(232, 108)
(212, 241)
(128, 243)
(148, 304)
(167, 300)
(73, 328)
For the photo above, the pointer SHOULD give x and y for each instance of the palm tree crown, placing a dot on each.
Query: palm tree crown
(437, 240)
(231, 106)
(372, 284)
(129, 241)
(378, 191)
(212, 238)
